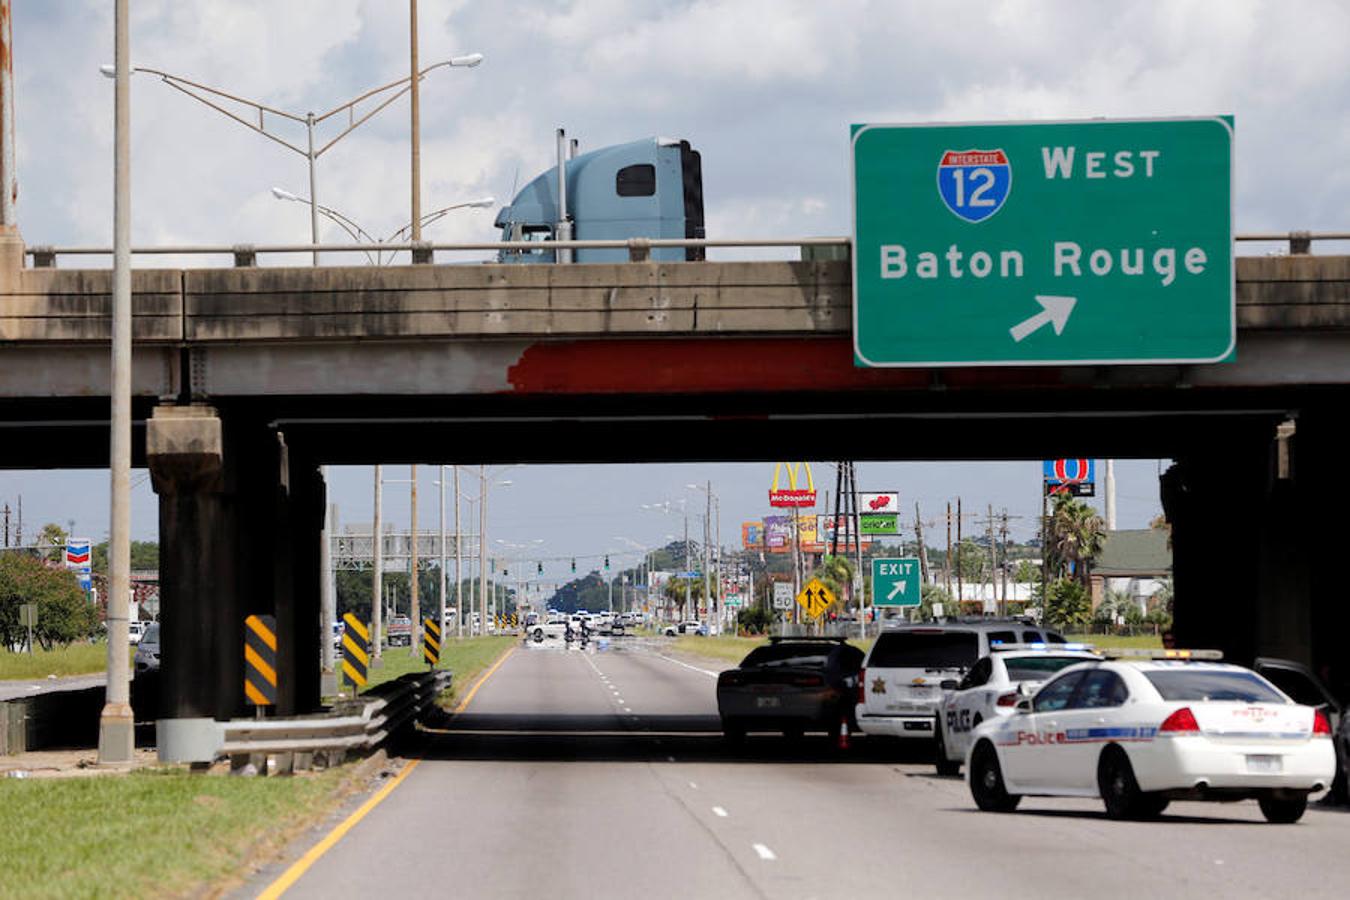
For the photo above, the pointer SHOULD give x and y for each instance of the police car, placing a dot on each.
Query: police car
(1140, 732)
(992, 688)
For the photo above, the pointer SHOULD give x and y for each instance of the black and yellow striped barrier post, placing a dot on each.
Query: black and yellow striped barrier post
(260, 660)
(355, 651)
(431, 641)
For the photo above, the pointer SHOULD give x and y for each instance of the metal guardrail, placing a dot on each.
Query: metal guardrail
(360, 724)
(639, 249)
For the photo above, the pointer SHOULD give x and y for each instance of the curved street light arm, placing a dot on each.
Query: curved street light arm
(190, 88)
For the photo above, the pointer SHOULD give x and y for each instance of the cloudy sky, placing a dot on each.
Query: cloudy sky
(766, 90)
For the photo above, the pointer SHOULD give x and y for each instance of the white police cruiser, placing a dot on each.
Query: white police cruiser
(992, 687)
(1141, 732)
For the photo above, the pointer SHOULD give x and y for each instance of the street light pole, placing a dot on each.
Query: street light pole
(313, 187)
(459, 561)
(415, 97)
(440, 622)
(414, 600)
(116, 732)
(377, 576)
(482, 549)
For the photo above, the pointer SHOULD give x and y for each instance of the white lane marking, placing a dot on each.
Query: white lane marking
(719, 812)
(687, 666)
(764, 852)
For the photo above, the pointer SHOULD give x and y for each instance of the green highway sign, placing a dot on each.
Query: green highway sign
(1055, 243)
(895, 582)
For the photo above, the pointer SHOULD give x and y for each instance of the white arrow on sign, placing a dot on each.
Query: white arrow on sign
(1055, 310)
(898, 589)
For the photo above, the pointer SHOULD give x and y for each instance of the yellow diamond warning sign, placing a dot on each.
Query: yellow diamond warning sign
(815, 598)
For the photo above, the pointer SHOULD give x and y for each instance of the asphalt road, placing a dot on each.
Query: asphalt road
(11, 689)
(602, 775)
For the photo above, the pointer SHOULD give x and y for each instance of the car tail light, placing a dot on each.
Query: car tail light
(862, 686)
(1009, 699)
(808, 680)
(1180, 722)
(730, 678)
(1321, 724)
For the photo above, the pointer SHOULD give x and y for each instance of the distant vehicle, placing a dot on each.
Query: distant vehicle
(1140, 733)
(907, 665)
(339, 628)
(992, 688)
(650, 188)
(793, 685)
(147, 649)
(693, 626)
(399, 632)
(547, 631)
(136, 630)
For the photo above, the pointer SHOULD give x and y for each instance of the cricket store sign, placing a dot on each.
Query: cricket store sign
(1047, 243)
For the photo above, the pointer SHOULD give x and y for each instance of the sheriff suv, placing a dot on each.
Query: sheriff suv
(911, 667)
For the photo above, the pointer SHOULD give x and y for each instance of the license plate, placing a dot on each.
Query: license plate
(767, 702)
(1263, 764)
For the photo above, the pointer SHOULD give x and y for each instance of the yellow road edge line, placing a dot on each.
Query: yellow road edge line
(302, 865)
(464, 704)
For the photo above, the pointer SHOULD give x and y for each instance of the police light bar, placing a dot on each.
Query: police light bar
(1000, 646)
(1132, 653)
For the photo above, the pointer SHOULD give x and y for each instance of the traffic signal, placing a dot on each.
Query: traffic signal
(606, 562)
(541, 568)
(574, 566)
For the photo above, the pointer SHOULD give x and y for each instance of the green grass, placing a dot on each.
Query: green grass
(466, 657)
(77, 659)
(1120, 641)
(149, 833)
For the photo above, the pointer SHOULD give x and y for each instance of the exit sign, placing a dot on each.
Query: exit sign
(1055, 243)
(895, 582)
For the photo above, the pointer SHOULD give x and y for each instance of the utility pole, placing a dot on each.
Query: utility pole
(377, 575)
(440, 483)
(116, 731)
(459, 561)
(414, 601)
(947, 573)
(923, 550)
(707, 562)
(993, 552)
(1003, 603)
(960, 554)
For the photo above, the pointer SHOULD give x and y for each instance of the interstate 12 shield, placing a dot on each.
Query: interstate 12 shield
(974, 184)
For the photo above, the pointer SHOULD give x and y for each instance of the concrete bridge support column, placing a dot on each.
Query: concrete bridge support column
(239, 529)
(1228, 555)
(1318, 460)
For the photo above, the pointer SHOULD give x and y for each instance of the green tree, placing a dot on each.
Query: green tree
(144, 556)
(836, 573)
(1027, 572)
(51, 542)
(972, 561)
(1077, 535)
(930, 594)
(64, 612)
(755, 620)
(1068, 604)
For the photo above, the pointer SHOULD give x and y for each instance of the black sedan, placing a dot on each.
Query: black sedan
(792, 685)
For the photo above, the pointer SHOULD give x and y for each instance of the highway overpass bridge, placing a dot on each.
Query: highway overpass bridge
(248, 378)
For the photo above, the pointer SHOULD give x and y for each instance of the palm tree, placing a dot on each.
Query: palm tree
(1077, 535)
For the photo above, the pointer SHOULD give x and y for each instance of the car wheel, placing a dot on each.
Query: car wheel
(986, 781)
(1120, 791)
(1281, 808)
(944, 765)
(539, 635)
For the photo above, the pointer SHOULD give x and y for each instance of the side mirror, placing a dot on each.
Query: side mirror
(1024, 705)
(949, 684)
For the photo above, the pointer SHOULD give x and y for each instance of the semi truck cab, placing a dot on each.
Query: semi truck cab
(650, 188)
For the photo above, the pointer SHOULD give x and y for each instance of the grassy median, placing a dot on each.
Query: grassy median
(150, 833)
(77, 659)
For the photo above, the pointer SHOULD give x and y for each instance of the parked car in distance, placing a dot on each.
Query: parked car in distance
(399, 633)
(136, 630)
(147, 649)
(693, 626)
(792, 685)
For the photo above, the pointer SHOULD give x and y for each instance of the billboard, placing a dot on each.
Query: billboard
(879, 502)
(752, 535)
(797, 493)
(1076, 477)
